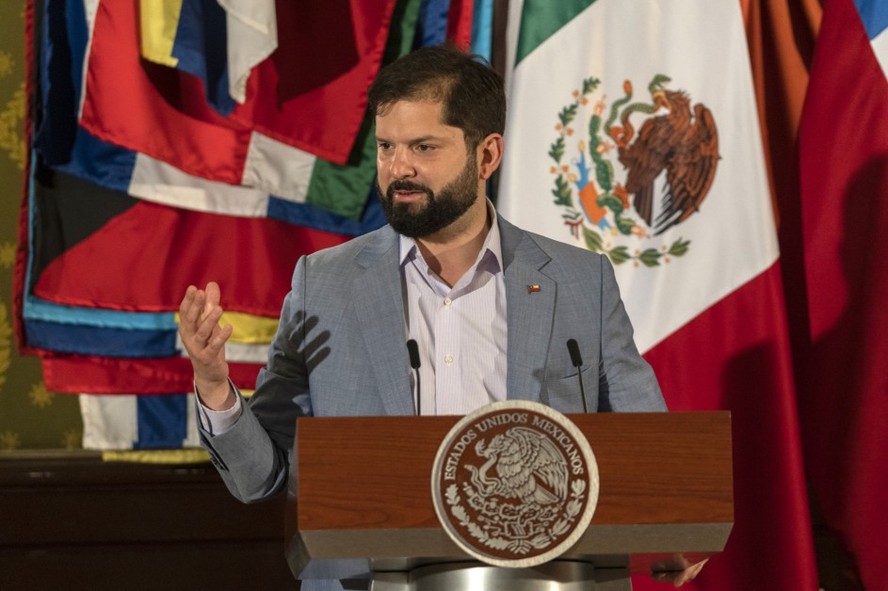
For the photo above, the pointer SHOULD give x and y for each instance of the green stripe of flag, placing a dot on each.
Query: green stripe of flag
(540, 19)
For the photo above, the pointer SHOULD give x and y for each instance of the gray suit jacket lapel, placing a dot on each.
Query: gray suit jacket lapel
(530, 312)
(379, 305)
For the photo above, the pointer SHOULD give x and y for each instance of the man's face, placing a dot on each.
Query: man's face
(426, 180)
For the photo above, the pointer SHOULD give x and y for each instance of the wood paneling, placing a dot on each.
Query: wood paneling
(71, 521)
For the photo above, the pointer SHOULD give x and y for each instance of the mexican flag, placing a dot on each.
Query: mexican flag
(633, 132)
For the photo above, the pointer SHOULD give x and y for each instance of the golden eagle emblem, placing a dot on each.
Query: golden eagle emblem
(667, 168)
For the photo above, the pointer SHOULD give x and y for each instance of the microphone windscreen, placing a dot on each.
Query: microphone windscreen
(413, 352)
(574, 351)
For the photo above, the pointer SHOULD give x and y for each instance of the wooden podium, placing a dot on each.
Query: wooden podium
(361, 506)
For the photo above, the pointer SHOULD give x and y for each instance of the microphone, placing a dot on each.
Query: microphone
(574, 349)
(413, 354)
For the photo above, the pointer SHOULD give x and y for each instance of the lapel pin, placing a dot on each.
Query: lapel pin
(533, 288)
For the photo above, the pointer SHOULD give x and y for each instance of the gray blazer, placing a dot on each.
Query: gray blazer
(340, 347)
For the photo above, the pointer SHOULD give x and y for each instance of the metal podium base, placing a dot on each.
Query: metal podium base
(559, 575)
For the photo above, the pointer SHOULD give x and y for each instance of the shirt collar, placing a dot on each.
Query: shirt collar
(492, 243)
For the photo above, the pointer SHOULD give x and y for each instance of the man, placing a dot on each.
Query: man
(490, 306)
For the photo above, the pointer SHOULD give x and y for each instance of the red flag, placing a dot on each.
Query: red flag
(844, 180)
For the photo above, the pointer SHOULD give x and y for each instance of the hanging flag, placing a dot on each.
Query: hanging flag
(639, 139)
(93, 336)
(843, 140)
(306, 104)
(88, 330)
(158, 250)
(125, 422)
(340, 191)
(77, 216)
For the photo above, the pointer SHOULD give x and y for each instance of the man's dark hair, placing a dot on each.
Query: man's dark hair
(470, 91)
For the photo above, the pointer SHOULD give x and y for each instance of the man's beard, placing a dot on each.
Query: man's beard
(440, 210)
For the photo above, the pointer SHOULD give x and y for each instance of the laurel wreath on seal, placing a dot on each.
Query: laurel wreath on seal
(541, 541)
(608, 196)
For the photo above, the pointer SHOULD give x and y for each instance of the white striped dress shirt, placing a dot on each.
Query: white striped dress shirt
(461, 331)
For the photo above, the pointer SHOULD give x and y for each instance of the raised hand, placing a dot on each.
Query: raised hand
(204, 341)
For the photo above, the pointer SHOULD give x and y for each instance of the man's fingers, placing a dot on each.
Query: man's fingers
(187, 299)
(192, 310)
(198, 305)
(208, 325)
(202, 336)
(219, 337)
(186, 307)
(214, 295)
